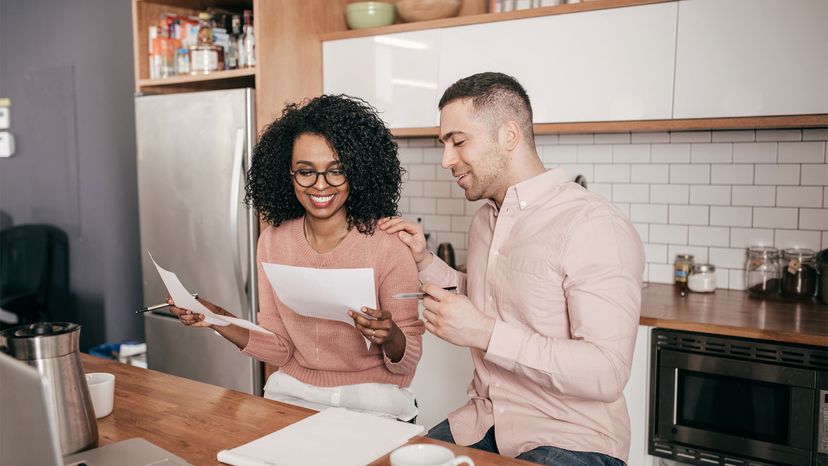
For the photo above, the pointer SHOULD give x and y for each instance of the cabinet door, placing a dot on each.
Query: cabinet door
(605, 65)
(751, 57)
(396, 73)
(637, 395)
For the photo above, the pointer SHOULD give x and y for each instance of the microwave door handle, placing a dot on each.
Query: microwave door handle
(235, 185)
(675, 396)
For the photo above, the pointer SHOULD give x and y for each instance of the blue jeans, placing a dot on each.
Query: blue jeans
(542, 455)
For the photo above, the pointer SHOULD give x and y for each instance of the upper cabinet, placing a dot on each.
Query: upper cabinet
(603, 65)
(751, 57)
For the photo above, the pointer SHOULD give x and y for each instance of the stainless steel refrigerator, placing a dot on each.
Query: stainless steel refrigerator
(193, 153)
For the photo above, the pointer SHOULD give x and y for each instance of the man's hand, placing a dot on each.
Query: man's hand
(411, 234)
(455, 319)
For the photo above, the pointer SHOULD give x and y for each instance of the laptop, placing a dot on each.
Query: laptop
(28, 432)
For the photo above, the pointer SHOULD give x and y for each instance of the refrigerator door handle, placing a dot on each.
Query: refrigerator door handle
(238, 170)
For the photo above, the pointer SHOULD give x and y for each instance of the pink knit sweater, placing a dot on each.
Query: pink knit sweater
(327, 353)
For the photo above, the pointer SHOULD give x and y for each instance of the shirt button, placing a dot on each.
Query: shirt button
(491, 298)
(497, 384)
(522, 204)
(501, 410)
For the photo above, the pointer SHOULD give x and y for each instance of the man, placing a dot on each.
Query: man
(550, 304)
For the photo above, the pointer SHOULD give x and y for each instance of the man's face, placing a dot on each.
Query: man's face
(472, 152)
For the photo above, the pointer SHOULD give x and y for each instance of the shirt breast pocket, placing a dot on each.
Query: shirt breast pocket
(530, 287)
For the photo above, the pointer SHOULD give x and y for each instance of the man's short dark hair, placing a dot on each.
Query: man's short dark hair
(497, 97)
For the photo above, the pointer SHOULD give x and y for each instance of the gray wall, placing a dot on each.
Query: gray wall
(67, 67)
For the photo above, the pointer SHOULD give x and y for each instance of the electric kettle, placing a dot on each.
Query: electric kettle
(52, 349)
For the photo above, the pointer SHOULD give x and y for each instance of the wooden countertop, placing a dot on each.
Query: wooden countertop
(734, 313)
(195, 420)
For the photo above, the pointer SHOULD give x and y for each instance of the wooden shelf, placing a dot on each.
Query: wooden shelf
(215, 80)
(587, 5)
(642, 126)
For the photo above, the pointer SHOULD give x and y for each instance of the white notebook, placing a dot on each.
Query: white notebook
(334, 436)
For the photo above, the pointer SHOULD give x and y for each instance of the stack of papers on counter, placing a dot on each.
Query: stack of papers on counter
(334, 436)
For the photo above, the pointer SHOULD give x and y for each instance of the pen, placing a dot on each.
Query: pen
(420, 294)
(158, 306)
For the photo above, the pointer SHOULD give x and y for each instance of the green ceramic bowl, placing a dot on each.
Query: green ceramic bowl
(362, 15)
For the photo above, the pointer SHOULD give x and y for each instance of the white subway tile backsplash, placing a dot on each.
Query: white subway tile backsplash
(775, 217)
(754, 196)
(760, 152)
(660, 273)
(746, 237)
(612, 173)
(437, 188)
(412, 189)
(612, 138)
(670, 153)
(689, 215)
(711, 153)
(709, 236)
(556, 155)
(668, 234)
(422, 172)
(601, 153)
(710, 195)
(732, 258)
(423, 205)
(451, 206)
(631, 153)
(731, 216)
(779, 135)
(690, 136)
(815, 134)
(630, 193)
(813, 219)
(655, 253)
(815, 175)
(732, 174)
(797, 196)
(777, 174)
(797, 239)
(650, 173)
(647, 213)
(699, 253)
(585, 138)
(410, 155)
(802, 152)
(734, 136)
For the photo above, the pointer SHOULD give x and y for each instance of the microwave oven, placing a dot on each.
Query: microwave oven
(717, 400)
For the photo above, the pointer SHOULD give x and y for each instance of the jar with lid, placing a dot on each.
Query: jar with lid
(799, 275)
(206, 56)
(702, 278)
(681, 270)
(764, 272)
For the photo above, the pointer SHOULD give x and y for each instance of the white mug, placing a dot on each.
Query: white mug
(423, 454)
(102, 390)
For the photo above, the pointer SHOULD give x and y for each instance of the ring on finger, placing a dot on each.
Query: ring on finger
(373, 333)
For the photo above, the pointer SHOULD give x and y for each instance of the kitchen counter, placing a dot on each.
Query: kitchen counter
(734, 313)
(195, 420)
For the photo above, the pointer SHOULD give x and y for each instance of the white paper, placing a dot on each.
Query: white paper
(348, 438)
(185, 300)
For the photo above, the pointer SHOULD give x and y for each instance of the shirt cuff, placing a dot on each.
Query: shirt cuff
(504, 345)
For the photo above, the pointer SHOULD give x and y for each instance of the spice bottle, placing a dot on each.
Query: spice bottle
(799, 275)
(681, 270)
(763, 272)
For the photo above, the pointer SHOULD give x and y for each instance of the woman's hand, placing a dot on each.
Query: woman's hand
(381, 329)
(191, 319)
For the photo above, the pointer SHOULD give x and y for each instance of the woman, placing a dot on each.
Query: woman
(323, 174)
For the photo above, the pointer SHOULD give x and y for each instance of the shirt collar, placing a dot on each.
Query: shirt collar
(531, 190)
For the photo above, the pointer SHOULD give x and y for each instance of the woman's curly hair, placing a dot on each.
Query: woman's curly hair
(361, 142)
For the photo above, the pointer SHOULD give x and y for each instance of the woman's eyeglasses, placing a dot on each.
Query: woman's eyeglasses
(306, 177)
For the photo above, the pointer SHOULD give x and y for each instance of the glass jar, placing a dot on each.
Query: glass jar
(799, 275)
(764, 273)
(681, 270)
(702, 278)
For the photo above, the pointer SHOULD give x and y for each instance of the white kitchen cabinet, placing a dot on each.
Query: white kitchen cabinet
(603, 65)
(637, 394)
(751, 57)
(396, 73)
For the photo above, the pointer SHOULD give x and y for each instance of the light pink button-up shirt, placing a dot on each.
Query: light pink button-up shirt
(560, 269)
